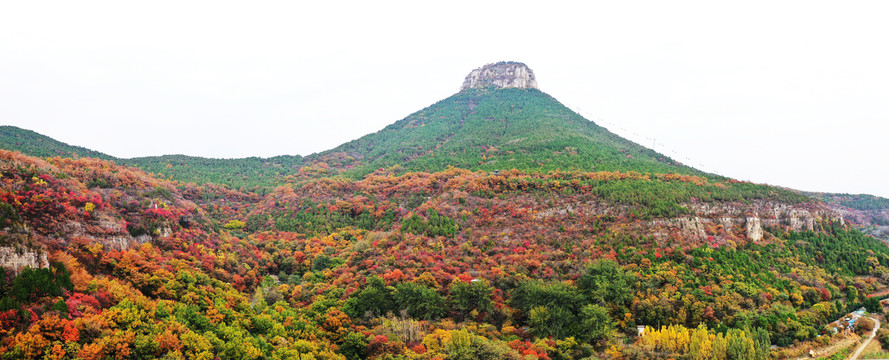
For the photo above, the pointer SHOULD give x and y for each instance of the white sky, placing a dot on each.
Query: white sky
(788, 93)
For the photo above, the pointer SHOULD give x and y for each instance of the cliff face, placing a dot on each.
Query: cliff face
(710, 223)
(744, 220)
(18, 258)
(501, 75)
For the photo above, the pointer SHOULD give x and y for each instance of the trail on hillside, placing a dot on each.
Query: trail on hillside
(869, 338)
(830, 349)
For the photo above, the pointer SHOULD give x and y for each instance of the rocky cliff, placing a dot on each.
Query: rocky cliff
(17, 258)
(501, 75)
(713, 223)
(746, 220)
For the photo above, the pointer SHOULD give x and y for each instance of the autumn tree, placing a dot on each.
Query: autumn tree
(471, 296)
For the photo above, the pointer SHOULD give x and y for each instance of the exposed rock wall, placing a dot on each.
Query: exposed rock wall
(693, 227)
(728, 224)
(716, 223)
(754, 228)
(109, 233)
(17, 259)
(501, 75)
(722, 220)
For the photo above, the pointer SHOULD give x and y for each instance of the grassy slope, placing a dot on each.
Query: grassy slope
(495, 129)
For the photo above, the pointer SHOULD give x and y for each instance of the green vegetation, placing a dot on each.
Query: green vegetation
(436, 225)
(247, 174)
(874, 355)
(250, 174)
(656, 195)
(839, 251)
(491, 129)
(33, 144)
(862, 201)
(32, 284)
(311, 217)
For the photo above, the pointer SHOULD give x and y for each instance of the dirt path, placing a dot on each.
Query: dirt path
(869, 338)
(830, 349)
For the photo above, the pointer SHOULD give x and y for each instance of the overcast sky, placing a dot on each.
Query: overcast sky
(794, 94)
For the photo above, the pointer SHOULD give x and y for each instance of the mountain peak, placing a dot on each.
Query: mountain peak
(504, 74)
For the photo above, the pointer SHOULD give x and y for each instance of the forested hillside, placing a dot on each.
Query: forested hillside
(494, 224)
(452, 264)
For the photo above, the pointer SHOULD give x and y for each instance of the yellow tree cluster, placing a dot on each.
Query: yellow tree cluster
(702, 344)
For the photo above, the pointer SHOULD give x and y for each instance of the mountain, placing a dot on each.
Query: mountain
(500, 121)
(494, 224)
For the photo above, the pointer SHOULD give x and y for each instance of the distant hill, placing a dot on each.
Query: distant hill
(251, 173)
(33, 144)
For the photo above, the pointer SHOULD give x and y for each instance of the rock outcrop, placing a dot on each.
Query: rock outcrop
(754, 228)
(718, 223)
(506, 74)
(109, 233)
(18, 258)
